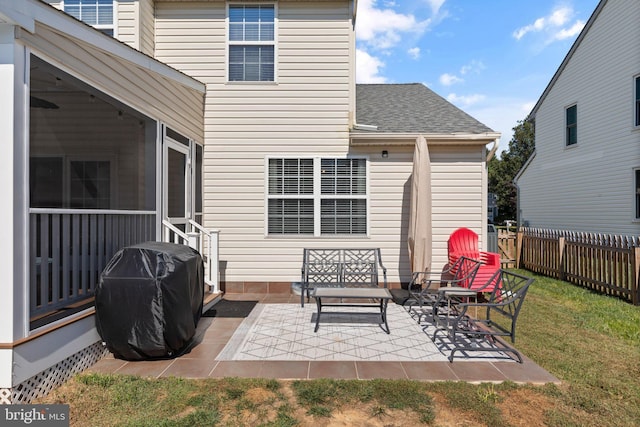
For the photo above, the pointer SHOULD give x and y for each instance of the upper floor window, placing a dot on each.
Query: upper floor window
(97, 13)
(252, 42)
(317, 196)
(637, 106)
(572, 125)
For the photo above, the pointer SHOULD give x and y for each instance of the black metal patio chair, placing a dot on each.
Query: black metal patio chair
(503, 306)
(423, 290)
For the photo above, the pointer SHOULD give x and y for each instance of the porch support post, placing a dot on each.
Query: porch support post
(13, 211)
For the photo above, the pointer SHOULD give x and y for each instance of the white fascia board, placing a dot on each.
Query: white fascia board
(87, 35)
(17, 13)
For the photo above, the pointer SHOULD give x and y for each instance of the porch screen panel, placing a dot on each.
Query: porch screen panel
(92, 186)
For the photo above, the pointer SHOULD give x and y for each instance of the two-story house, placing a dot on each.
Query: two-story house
(155, 118)
(585, 172)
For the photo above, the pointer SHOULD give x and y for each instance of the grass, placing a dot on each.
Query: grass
(590, 342)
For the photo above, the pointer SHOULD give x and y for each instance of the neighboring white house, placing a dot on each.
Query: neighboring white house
(585, 172)
(242, 117)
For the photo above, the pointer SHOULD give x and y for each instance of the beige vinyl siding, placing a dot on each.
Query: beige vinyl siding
(304, 113)
(147, 27)
(127, 21)
(161, 98)
(457, 174)
(457, 177)
(135, 24)
(589, 187)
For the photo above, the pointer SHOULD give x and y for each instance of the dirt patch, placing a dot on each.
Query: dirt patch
(448, 417)
(260, 396)
(363, 416)
(525, 407)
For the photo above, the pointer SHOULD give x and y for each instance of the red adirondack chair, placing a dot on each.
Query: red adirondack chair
(464, 242)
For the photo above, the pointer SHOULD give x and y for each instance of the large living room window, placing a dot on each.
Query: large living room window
(251, 42)
(317, 196)
(572, 125)
(97, 13)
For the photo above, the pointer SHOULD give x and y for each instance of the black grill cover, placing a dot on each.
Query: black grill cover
(149, 300)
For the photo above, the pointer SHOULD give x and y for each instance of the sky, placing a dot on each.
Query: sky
(491, 58)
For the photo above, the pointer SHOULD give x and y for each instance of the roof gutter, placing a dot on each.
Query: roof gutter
(380, 138)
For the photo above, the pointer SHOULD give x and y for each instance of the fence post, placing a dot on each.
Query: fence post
(635, 268)
(519, 236)
(561, 258)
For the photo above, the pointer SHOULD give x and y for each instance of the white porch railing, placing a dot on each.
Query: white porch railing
(204, 241)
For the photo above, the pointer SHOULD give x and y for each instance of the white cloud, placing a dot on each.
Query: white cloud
(571, 31)
(474, 67)
(449, 79)
(368, 69)
(414, 52)
(555, 26)
(435, 5)
(381, 28)
(464, 101)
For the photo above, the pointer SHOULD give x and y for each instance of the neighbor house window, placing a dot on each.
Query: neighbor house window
(317, 196)
(637, 101)
(572, 125)
(251, 42)
(97, 13)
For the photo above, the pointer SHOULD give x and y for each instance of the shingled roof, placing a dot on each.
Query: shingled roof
(411, 108)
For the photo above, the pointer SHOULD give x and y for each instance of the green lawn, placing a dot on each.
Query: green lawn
(590, 342)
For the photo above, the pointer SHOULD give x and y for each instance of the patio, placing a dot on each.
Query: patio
(292, 351)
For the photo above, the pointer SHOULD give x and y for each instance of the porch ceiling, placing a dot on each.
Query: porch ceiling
(125, 74)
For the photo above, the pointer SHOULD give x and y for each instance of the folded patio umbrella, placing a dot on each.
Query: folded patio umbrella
(419, 238)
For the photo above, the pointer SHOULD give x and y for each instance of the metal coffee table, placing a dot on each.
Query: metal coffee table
(381, 294)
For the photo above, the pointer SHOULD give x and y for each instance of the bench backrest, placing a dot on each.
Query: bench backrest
(342, 267)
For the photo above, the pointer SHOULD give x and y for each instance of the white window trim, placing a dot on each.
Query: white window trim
(252, 43)
(317, 196)
(113, 26)
(564, 127)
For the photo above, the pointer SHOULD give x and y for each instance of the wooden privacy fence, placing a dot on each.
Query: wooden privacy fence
(606, 264)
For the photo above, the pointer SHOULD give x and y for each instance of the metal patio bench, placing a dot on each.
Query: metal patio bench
(341, 268)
